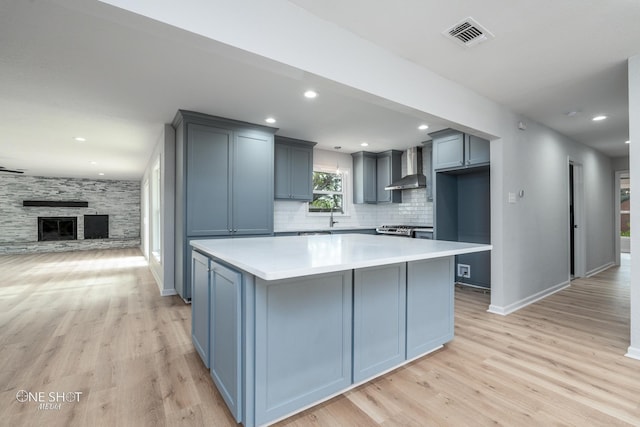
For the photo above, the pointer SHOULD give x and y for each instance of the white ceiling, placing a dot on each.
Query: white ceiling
(548, 57)
(76, 68)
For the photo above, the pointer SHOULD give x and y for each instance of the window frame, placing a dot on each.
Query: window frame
(346, 191)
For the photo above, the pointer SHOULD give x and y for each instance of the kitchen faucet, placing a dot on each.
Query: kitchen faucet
(331, 221)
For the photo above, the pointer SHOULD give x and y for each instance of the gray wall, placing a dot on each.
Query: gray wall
(620, 163)
(532, 235)
(19, 225)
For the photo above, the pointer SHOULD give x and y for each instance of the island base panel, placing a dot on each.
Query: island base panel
(302, 342)
(379, 310)
(430, 311)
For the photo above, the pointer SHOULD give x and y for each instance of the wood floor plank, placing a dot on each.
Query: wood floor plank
(93, 322)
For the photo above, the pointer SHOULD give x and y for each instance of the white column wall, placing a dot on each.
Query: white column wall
(163, 270)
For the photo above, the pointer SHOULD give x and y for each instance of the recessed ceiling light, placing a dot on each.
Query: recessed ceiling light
(270, 120)
(80, 139)
(94, 163)
(101, 173)
(364, 144)
(310, 94)
(423, 127)
(598, 118)
(627, 141)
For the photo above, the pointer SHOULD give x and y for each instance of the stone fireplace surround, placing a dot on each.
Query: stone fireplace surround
(19, 224)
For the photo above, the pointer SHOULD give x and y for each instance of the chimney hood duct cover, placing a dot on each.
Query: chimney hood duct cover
(415, 177)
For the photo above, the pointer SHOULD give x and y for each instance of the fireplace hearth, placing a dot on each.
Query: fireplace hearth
(57, 228)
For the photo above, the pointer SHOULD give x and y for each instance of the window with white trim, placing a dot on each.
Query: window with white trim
(329, 191)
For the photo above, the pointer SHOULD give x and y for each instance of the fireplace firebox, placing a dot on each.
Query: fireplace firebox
(57, 228)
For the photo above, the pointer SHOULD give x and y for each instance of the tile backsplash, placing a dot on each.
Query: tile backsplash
(414, 209)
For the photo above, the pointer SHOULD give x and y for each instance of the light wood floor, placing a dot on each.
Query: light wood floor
(93, 322)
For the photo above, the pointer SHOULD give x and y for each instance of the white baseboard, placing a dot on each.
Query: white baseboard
(503, 311)
(600, 269)
(168, 292)
(633, 353)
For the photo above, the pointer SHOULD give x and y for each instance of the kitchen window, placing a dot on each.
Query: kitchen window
(329, 191)
(625, 208)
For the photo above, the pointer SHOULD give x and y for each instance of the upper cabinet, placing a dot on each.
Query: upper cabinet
(455, 150)
(365, 170)
(389, 170)
(293, 169)
(372, 172)
(224, 183)
(476, 151)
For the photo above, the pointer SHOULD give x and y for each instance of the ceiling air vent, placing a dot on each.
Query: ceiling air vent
(468, 33)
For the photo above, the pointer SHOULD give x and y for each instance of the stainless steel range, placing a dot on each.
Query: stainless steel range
(415, 231)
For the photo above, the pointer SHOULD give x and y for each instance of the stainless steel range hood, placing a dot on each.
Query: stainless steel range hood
(415, 177)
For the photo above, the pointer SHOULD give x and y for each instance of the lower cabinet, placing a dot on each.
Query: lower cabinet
(276, 347)
(302, 342)
(430, 295)
(225, 335)
(200, 305)
(379, 311)
(216, 325)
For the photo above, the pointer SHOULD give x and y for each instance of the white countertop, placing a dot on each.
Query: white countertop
(326, 228)
(273, 258)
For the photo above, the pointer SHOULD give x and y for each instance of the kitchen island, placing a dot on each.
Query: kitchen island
(284, 323)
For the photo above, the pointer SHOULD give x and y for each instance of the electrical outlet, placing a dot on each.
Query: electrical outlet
(464, 270)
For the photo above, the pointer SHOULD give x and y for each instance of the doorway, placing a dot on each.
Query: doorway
(623, 214)
(577, 252)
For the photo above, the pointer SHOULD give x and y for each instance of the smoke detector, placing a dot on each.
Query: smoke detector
(468, 32)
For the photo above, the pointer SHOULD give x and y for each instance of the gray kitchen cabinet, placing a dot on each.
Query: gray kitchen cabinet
(293, 169)
(208, 149)
(476, 151)
(429, 302)
(200, 305)
(303, 332)
(223, 185)
(225, 337)
(277, 346)
(372, 172)
(389, 169)
(364, 177)
(423, 235)
(379, 310)
(453, 149)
